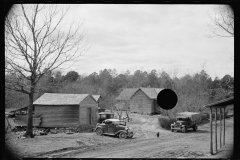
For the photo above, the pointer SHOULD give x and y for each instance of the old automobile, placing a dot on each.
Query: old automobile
(114, 127)
(186, 120)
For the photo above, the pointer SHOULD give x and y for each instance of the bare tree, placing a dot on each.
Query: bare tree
(35, 42)
(122, 106)
(223, 22)
(223, 26)
(118, 108)
(126, 108)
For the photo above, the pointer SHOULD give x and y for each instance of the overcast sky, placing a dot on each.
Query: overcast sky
(146, 37)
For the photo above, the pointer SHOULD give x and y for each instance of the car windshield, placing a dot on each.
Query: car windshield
(106, 116)
(182, 119)
(102, 116)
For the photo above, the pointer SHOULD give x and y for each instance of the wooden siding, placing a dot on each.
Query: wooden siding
(21, 120)
(58, 116)
(141, 103)
(84, 105)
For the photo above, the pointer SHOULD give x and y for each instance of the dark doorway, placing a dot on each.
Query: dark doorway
(89, 116)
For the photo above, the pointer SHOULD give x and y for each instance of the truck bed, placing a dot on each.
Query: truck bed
(194, 116)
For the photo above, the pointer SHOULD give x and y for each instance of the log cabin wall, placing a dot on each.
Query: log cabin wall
(58, 116)
(141, 103)
(88, 104)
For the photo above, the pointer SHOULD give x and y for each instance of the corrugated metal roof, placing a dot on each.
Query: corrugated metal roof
(96, 97)
(127, 93)
(60, 99)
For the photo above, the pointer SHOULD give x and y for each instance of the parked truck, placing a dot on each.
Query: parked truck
(186, 120)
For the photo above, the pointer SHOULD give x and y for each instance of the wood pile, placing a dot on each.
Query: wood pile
(71, 130)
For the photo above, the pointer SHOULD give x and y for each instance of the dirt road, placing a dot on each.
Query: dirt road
(144, 143)
(168, 145)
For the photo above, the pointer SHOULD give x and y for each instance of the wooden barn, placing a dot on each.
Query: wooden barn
(66, 110)
(140, 100)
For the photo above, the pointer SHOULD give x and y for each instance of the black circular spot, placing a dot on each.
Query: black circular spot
(167, 99)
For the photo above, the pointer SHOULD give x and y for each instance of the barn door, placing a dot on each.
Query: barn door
(89, 116)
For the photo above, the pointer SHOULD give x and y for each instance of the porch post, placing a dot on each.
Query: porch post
(216, 129)
(211, 146)
(224, 126)
(220, 127)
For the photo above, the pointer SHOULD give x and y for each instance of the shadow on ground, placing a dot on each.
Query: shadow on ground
(196, 132)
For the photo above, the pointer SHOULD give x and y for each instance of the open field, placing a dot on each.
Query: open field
(144, 144)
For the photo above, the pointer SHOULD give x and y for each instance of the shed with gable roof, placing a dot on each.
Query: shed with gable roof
(66, 110)
(99, 100)
(140, 100)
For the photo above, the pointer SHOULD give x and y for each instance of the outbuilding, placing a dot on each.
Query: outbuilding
(139, 100)
(99, 100)
(66, 110)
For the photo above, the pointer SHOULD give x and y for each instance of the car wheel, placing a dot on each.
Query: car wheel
(184, 130)
(122, 135)
(99, 132)
(195, 128)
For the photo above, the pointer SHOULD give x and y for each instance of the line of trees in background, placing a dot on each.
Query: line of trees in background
(193, 90)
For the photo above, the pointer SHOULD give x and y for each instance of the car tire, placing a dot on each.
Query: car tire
(184, 129)
(195, 128)
(122, 135)
(99, 132)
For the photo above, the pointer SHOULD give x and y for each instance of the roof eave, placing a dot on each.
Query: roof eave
(223, 102)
